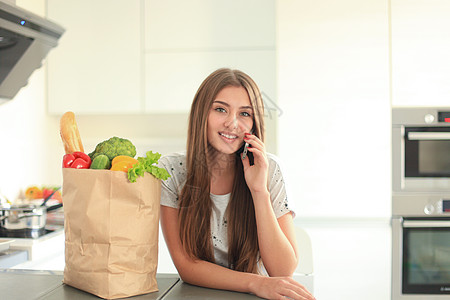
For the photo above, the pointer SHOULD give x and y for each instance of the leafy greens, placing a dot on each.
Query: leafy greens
(147, 164)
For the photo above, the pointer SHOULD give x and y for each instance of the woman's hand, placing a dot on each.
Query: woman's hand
(279, 288)
(256, 175)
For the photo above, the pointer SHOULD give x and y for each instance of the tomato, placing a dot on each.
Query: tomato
(46, 192)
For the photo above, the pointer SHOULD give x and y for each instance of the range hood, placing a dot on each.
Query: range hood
(25, 40)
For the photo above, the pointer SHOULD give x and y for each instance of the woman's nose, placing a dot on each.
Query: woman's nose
(231, 122)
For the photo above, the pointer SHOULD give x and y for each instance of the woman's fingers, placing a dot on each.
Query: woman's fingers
(254, 141)
(256, 146)
(298, 291)
(282, 287)
(295, 291)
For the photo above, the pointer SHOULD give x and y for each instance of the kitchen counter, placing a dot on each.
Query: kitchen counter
(43, 253)
(10, 258)
(48, 285)
(53, 239)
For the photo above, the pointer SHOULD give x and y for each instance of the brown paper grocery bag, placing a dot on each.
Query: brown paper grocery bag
(111, 232)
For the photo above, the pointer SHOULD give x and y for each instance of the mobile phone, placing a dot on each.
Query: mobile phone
(244, 153)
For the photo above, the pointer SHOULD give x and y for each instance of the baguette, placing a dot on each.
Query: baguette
(70, 134)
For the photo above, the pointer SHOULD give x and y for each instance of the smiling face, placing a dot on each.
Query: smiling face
(230, 117)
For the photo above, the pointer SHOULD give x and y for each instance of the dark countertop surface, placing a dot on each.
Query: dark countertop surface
(48, 285)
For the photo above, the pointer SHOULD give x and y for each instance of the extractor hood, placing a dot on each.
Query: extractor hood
(25, 40)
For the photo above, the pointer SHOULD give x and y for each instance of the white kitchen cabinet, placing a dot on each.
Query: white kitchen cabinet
(420, 52)
(97, 67)
(187, 40)
(172, 78)
(144, 56)
(209, 24)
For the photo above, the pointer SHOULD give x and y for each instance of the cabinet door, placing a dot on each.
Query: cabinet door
(420, 52)
(187, 40)
(172, 79)
(209, 24)
(96, 68)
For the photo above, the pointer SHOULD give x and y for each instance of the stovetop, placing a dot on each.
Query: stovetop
(29, 235)
(25, 233)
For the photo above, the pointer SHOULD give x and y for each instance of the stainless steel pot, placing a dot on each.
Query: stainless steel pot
(27, 221)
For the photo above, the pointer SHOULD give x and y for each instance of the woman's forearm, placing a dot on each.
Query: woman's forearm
(210, 275)
(277, 252)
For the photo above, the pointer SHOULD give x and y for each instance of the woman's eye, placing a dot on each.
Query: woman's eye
(245, 114)
(220, 109)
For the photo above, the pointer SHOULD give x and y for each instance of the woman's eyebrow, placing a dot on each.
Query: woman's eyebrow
(226, 104)
(221, 102)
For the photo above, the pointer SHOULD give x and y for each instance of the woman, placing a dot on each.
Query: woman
(224, 216)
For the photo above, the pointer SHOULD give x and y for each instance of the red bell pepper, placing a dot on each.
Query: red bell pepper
(68, 160)
(77, 160)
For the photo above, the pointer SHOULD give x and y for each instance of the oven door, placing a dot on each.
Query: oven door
(426, 256)
(421, 159)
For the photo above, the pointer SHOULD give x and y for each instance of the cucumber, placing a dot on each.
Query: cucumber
(101, 162)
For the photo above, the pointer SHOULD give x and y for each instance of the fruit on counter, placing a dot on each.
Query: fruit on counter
(147, 164)
(77, 160)
(70, 134)
(46, 192)
(34, 192)
(113, 147)
(101, 162)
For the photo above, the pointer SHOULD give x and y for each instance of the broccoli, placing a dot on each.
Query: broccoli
(113, 147)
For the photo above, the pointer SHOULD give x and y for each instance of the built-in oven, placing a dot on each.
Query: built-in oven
(421, 246)
(421, 149)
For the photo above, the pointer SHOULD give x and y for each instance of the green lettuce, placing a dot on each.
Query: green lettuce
(147, 164)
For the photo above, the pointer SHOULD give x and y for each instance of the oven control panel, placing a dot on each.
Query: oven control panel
(445, 206)
(437, 208)
(420, 204)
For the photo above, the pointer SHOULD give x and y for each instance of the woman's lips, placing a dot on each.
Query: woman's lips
(228, 136)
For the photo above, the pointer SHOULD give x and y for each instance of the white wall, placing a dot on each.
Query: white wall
(420, 47)
(333, 78)
(334, 137)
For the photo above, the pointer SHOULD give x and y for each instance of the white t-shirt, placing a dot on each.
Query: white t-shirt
(175, 164)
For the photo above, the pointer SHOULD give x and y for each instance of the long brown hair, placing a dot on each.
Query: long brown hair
(195, 200)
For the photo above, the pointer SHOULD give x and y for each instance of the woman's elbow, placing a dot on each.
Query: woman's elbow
(184, 275)
(286, 270)
(185, 270)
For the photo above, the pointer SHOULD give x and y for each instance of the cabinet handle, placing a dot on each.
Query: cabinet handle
(417, 224)
(428, 136)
